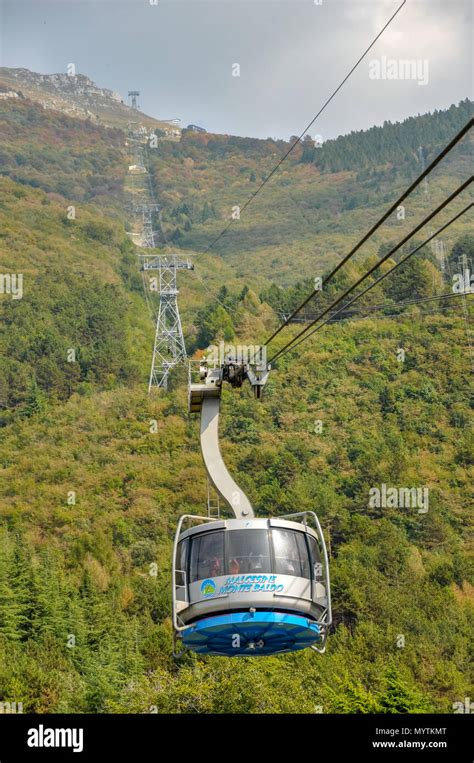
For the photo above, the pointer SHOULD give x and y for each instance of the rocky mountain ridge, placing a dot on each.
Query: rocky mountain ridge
(75, 95)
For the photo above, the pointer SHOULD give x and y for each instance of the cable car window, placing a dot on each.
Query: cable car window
(315, 558)
(290, 558)
(248, 552)
(207, 556)
(181, 562)
(304, 556)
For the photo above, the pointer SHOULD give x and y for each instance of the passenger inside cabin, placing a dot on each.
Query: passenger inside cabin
(215, 568)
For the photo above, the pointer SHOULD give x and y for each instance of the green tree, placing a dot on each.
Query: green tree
(35, 401)
(13, 615)
(399, 697)
(464, 247)
(413, 280)
(214, 324)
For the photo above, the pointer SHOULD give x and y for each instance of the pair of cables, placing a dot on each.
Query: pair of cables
(329, 311)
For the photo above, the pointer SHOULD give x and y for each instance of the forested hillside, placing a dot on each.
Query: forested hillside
(48, 150)
(95, 472)
(86, 570)
(316, 204)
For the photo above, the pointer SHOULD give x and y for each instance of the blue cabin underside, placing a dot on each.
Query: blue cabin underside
(252, 634)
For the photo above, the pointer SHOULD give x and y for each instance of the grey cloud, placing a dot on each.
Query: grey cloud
(292, 54)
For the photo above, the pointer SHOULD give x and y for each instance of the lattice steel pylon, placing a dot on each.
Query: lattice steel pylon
(133, 94)
(147, 232)
(169, 348)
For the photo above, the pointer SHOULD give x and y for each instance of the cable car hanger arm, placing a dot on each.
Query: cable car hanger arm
(205, 398)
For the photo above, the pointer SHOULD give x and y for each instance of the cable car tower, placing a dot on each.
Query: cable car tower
(245, 586)
(169, 348)
(133, 95)
(147, 232)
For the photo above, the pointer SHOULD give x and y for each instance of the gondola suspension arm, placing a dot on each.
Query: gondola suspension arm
(205, 398)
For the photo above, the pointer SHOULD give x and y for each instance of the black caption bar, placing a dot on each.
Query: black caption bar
(92, 737)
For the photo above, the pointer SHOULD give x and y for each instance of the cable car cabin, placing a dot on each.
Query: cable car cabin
(245, 586)
(251, 586)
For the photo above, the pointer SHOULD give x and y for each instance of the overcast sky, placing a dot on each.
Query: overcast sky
(292, 54)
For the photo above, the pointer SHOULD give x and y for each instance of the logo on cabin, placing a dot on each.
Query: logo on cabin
(208, 587)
